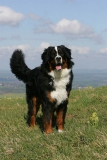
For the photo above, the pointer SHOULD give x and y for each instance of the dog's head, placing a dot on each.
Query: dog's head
(57, 58)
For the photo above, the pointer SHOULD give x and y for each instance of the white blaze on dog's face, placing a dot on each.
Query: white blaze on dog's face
(58, 60)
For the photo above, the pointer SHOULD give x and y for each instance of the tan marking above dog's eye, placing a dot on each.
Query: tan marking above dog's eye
(53, 52)
(59, 51)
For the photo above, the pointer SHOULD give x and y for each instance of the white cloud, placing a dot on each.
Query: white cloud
(44, 45)
(34, 16)
(7, 50)
(28, 50)
(73, 27)
(32, 54)
(80, 50)
(103, 51)
(23, 47)
(35, 53)
(10, 17)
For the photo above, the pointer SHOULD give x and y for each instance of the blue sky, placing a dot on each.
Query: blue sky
(80, 25)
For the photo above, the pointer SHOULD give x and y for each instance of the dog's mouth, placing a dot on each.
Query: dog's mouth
(58, 67)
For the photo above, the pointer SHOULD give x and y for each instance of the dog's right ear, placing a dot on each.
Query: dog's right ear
(45, 56)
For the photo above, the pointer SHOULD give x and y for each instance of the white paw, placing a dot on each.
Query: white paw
(60, 131)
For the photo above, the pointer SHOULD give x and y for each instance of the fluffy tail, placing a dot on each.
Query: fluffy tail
(18, 66)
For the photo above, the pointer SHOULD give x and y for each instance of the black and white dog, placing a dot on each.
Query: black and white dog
(48, 85)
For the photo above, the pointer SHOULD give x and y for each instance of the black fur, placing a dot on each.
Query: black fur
(18, 66)
(40, 84)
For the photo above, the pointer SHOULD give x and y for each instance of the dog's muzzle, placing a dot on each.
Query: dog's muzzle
(58, 61)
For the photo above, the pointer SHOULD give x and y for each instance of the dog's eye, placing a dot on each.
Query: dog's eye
(60, 53)
(53, 54)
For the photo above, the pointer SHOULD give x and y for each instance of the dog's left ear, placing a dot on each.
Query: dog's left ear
(67, 51)
(45, 56)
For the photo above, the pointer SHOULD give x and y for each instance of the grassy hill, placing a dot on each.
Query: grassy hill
(85, 136)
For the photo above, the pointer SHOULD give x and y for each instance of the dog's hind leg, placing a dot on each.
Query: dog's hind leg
(33, 107)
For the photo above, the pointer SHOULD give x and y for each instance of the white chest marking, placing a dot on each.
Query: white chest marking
(61, 79)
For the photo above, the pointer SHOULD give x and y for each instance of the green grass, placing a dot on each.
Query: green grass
(82, 140)
(8, 95)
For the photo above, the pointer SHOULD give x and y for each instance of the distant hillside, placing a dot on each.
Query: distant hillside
(82, 79)
(10, 84)
(94, 78)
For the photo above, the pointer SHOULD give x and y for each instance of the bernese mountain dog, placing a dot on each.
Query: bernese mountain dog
(48, 85)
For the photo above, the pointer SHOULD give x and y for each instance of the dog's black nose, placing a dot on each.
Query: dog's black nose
(58, 59)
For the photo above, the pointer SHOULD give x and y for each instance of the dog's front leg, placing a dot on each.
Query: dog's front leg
(60, 116)
(47, 120)
(47, 126)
